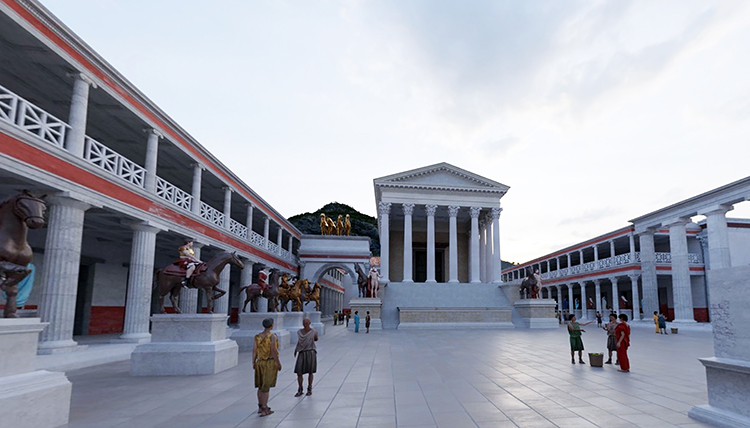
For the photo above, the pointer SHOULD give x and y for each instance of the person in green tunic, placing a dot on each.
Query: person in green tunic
(576, 343)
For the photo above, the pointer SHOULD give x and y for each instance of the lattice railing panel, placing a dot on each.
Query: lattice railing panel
(8, 106)
(237, 228)
(694, 258)
(622, 259)
(273, 248)
(257, 239)
(109, 160)
(663, 257)
(173, 194)
(32, 119)
(212, 214)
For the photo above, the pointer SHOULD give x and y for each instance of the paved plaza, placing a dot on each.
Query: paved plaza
(429, 378)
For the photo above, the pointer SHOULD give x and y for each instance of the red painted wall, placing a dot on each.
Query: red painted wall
(106, 319)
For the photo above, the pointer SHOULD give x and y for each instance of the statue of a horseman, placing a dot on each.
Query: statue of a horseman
(18, 214)
(531, 284)
(267, 287)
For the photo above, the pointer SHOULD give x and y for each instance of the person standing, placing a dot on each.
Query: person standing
(335, 317)
(367, 322)
(348, 315)
(356, 321)
(623, 343)
(266, 364)
(307, 356)
(656, 322)
(611, 340)
(599, 323)
(662, 324)
(576, 343)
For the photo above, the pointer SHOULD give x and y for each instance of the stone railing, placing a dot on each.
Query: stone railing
(173, 194)
(212, 214)
(237, 228)
(109, 160)
(622, 259)
(273, 248)
(30, 118)
(257, 240)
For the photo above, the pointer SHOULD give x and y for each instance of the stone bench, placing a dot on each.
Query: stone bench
(472, 318)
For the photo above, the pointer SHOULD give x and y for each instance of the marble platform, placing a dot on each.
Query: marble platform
(364, 304)
(469, 318)
(315, 321)
(251, 323)
(537, 313)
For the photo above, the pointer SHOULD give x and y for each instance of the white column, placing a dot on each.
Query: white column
(596, 254)
(246, 278)
(482, 252)
(612, 252)
(453, 244)
(408, 211)
(140, 284)
(474, 242)
(227, 206)
(189, 296)
(681, 289)
(384, 209)
(152, 154)
(598, 293)
(559, 297)
(266, 230)
(62, 258)
(221, 305)
(249, 220)
(571, 302)
(584, 301)
(615, 295)
(631, 243)
(497, 265)
(279, 238)
(718, 237)
(79, 104)
(431, 209)
(636, 297)
(196, 193)
(648, 273)
(289, 243)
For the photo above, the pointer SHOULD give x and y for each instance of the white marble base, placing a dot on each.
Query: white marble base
(185, 344)
(537, 313)
(292, 323)
(455, 325)
(315, 322)
(364, 304)
(251, 323)
(718, 417)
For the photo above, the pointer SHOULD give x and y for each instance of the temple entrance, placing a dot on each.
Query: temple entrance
(420, 263)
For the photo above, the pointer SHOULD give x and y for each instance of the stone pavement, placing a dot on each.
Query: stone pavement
(428, 378)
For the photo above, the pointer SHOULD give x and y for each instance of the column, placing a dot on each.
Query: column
(197, 178)
(631, 243)
(246, 278)
(384, 209)
(189, 296)
(612, 252)
(482, 252)
(474, 242)
(615, 295)
(221, 305)
(140, 284)
(718, 237)
(266, 230)
(571, 305)
(648, 273)
(279, 238)
(62, 257)
(152, 154)
(497, 265)
(453, 244)
(681, 290)
(487, 236)
(408, 211)
(79, 105)
(249, 220)
(431, 209)
(227, 206)
(598, 295)
(559, 297)
(596, 254)
(289, 243)
(584, 301)
(636, 297)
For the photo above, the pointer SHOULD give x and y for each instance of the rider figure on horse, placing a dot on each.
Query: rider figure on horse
(263, 278)
(187, 261)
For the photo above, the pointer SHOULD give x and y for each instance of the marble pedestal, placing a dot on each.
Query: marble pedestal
(362, 305)
(29, 398)
(293, 322)
(315, 322)
(728, 372)
(185, 344)
(537, 313)
(251, 323)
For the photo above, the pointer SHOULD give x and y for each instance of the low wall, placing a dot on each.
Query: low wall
(454, 318)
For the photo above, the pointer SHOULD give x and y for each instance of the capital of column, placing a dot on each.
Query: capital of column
(65, 199)
(153, 131)
(431, 209)
(612, 279)
(84, 78)
(677, 222)
(474, 211)
(495, 213)
(634, 277)
(453, 210)
(145, 226)
(408, 209)
(716, 209)
(198, 166)
(384, 208)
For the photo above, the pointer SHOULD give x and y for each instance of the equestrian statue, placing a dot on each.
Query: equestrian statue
(292, 292)
(530, 285)
(362, 280)
(312, 294)
(262, 289)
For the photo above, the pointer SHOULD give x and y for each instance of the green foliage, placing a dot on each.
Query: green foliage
(362, 224)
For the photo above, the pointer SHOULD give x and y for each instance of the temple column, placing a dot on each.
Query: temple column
(431, 209)
(75, 141)
(718, 237)
(648, 273)
(140, 282)
(62, 258)
(152, 154)
(497, 264)
(636, 297)
(408, 211)
(384, 209)
(487, 249)
(474, 242)
(196, 193)
(266, 231)
(482, 251)
(453, 244)
(584, 301)
(189, 296)
(227, 207)
(615, 295)
(598, 295)
(681, 288)
(221, 305)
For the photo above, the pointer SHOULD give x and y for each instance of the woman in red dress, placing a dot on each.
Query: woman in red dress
(622, 333)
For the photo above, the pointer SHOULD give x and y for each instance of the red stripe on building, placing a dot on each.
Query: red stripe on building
(332, 285)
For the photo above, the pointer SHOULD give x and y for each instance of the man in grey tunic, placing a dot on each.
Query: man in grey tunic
(307, 356)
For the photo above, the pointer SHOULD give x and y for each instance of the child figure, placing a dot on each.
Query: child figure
(662, 324)
(576, 343)
(656, 322)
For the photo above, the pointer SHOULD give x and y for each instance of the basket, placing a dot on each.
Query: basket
(674, 330)
(596, 360)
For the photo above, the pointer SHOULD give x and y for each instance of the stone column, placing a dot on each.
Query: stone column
(497, 265)
(584, 302)
(290, 243)
(474, 242)
(482, 252)
(62, 258)
(189, 296)
(631, 243)
(596, 255)
(559, 297)
(266, 231)
(279, 238)
(79, 105)
(615, 295)
(598, 295)
(648, 273)
(221, 305)
(681, 289)
(487, 249)
(384, 209)
(152, 154)
(718, 237)
(612, 252)
(227, 206)
(140, 284)
(453, 244)
(249, 220)
(246, 278)
(431, 209)
(571, 305)
(196, 193)
(408, 211)
(636, 297)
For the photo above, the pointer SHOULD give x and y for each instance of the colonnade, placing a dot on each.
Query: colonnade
(599, 304)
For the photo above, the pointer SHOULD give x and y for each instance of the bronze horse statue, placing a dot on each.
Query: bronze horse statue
(293, 294)
(18, 214)
(206, 277)
(312, 294)
(361, 280)
(269, 290)
(529, 287)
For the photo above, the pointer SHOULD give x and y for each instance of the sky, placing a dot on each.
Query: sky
(593, 112)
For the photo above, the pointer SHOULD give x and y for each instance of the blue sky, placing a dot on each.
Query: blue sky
(593, 112)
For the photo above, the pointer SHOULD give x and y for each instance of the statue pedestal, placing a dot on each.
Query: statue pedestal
(29, 398)
(251, 323)
(185, 344)
(728, 372)
(315, 322)
(537, 313)
(293, 322)
(362, 305)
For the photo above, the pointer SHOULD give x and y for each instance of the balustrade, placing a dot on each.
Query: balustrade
(173, 194)
(273, 248)
(694, 259)
(212, 214)
(622, 259)
(664, 258)
(237, 228)
(257, 239)
(109, 160)
(30, 118)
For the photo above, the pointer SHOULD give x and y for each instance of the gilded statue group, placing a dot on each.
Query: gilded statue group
(281, 290)
(342, 226)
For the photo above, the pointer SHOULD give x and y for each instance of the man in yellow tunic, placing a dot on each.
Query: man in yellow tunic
(266, 364)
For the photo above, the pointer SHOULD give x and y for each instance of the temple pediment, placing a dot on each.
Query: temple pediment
(441, 176)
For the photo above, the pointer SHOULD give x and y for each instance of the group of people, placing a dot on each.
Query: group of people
(618, 339)
(267, 365)
(356, 320)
